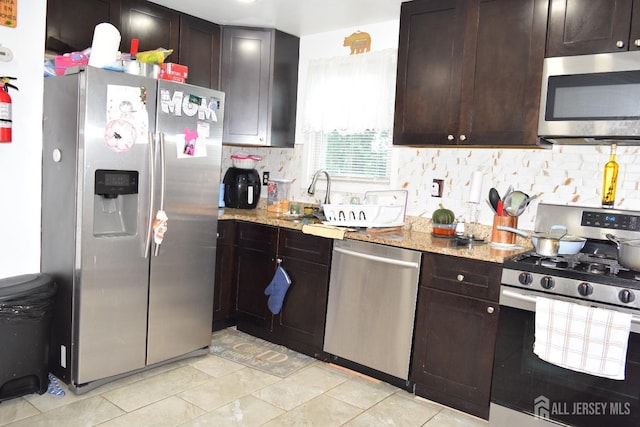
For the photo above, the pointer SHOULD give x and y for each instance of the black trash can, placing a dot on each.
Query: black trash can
(26, 304)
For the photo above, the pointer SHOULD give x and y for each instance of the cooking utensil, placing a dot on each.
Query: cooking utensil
(515, 203)
(491, 206)
(509, 191)
(529, 200)
(545, 244)
(628, 252)
(494, 198)
(569, 245)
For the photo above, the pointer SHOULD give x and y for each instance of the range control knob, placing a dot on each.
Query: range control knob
(626, 296)
(525, 278)
(547, 282)
(585, 289)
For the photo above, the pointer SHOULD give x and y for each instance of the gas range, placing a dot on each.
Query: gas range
(593, 275)
(522, 382)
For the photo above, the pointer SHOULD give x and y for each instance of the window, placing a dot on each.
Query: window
(347, 115)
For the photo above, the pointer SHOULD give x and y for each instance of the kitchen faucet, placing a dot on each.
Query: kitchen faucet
(312, 187)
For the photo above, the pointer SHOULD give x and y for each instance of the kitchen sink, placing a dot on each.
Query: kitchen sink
(315, 217)
(303, 219)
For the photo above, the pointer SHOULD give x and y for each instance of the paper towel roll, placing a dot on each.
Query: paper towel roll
(105, 45)
(476, 187)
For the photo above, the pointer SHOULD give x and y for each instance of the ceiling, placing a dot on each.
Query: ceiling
(297, 17)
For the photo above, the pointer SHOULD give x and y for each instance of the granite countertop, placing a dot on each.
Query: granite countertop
(416, 234)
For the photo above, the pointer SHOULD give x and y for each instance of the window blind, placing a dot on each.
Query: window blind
(347, 115)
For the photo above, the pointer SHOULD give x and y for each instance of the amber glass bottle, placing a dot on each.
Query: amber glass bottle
(610, 180)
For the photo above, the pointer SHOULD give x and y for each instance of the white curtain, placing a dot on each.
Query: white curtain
(350, 93)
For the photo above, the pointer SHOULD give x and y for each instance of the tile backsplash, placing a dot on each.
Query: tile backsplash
(562, 174)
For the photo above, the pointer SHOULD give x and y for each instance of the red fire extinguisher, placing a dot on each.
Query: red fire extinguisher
(5, 108)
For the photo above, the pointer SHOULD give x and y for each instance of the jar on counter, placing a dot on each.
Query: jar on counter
(278, 195)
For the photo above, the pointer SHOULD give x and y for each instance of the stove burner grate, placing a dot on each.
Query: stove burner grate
(553, 262)
(596, 264)
(596, 268)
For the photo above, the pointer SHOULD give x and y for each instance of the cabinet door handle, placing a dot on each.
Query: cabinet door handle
(636, 42)
(490, 310)
(620, 44)
(450, 137)
(463, 137)
(460, 278)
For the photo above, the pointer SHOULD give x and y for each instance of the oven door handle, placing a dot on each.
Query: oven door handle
(532, 300)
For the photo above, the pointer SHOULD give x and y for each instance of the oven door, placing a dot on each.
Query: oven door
(527, 391)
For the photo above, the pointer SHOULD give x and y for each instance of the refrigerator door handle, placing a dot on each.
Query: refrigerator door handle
(162, 171)
(162, 184)
(152, 187)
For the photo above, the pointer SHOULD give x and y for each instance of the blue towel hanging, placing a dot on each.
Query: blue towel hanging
(277, 289)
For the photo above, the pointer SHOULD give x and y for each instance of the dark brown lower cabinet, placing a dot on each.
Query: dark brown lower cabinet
(300, 324)
(306, 259)
(224, 292)
(255, 266)
(455, 332)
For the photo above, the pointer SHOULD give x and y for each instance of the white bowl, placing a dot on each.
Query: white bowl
(244, 162)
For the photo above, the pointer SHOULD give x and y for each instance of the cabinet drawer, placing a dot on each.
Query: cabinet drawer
(258, 237)
(295, 244)
(226, 232)
(478, 279)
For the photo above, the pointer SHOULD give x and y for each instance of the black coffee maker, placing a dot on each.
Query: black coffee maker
(241, 188)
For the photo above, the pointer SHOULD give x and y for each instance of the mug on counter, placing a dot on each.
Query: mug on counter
(501, 236)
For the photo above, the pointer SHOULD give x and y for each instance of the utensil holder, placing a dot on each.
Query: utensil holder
(500, 236)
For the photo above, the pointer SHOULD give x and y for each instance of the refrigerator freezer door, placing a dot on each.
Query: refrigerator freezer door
(189, 124)
(113, 276)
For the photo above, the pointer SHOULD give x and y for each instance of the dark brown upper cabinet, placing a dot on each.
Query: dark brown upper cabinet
(200, 51)
(195, 42)
(259, 75)
(579, 27)
(153, 25)
(70, 23)
(469, 72)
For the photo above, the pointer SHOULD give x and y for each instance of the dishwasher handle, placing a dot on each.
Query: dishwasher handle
(401, 263)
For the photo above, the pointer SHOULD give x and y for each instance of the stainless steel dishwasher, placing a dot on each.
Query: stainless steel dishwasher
(372, 302)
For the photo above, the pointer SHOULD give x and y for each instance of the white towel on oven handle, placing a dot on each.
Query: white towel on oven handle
(585, 339)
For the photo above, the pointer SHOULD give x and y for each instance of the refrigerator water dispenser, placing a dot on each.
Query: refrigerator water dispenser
(115, 203)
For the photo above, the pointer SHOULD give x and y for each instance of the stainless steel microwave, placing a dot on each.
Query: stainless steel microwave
(591, 99)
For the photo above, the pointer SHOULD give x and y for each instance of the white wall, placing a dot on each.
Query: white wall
(21, 161)
(564, 174)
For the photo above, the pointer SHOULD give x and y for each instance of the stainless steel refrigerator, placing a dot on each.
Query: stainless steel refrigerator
(131, 171)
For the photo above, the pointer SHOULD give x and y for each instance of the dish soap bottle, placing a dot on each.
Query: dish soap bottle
(610, 180)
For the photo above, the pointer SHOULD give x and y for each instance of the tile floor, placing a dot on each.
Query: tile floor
(212, 391)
